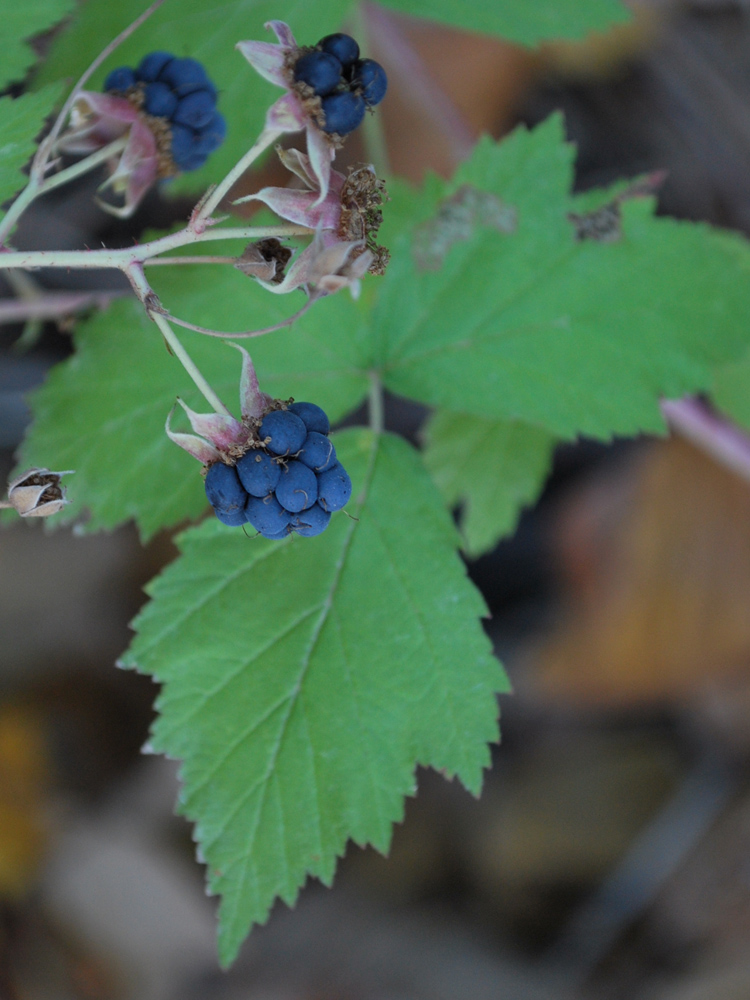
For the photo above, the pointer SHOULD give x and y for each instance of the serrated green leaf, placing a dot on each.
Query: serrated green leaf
(20, 122)
(519, 20)
(304, 680)
(102, 411)
(577, 336)
(493, 468)
(731, 390)
(20, 23)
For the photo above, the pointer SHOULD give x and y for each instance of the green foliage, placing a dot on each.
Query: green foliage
(731, 390)
(20, 120)
(491, 467)
(304, 680)
(577, 336)
(20, 23)
(244, 96)
(519, 20)
(102, 412)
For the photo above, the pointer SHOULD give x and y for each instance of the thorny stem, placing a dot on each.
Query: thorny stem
(190, 260)
(150, 303)
(375, 404)
(718, 437)
(121, 259)
(264, 140)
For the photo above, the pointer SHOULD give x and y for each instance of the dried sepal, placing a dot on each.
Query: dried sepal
(37, 493)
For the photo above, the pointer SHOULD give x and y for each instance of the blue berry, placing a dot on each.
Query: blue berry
(267, 515)
(318, 452)
(276, 536)
(370, 77)
(286, 431)
(334, 488)
(223, 488)
(151, 65)
(319, 70)
(196, 110)
(313, 417)
(311, 522)
(258, 473)
(120, 79)
(159, 100)
(342, 46)
(232, 518)
(298, 487)
(186, 151)
(343, 112)
(211, 136)
(185, 76)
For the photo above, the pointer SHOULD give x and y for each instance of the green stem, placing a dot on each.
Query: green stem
(198, 222)
(375, 404)
(83, 166)
(145, 294)
(121, 259)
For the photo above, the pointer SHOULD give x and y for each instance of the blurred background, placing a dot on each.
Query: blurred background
(609, 856)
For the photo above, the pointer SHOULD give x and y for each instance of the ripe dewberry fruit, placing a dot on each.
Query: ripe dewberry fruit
(120, 79)
(309, 523)
(286, 431)
(343, 47)
(334, 488)
(185, 149)
(318, 70)
(312, 416)
(298, 487)
(318, 452)
(151, 65)
(223, 488)
(232, 518)
(370, 77)
(258, 473)
(196, 110)
(343, 112)
(159, 100)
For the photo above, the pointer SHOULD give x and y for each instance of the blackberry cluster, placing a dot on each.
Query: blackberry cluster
(346, 84)
(180, 92)
(292, 483)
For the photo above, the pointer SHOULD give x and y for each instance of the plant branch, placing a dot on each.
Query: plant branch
(51, 305)
(201, 218)
(375, 404)
(153, 309)
(122, 258)
(246, 333)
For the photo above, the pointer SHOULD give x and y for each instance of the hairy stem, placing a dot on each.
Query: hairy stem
(150, 302)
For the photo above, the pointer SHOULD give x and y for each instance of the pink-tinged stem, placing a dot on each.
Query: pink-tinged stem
(52, 306)
(245, 333)
(723, 440)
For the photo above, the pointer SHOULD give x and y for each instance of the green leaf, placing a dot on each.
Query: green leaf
(519, 20)
(731, 390)
(492, 468)
(20, 121)
(102, 411)
(578, 336)
(22, 22)
(304, 680)
(208, 33)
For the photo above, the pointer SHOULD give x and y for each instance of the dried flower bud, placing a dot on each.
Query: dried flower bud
(37, 493)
